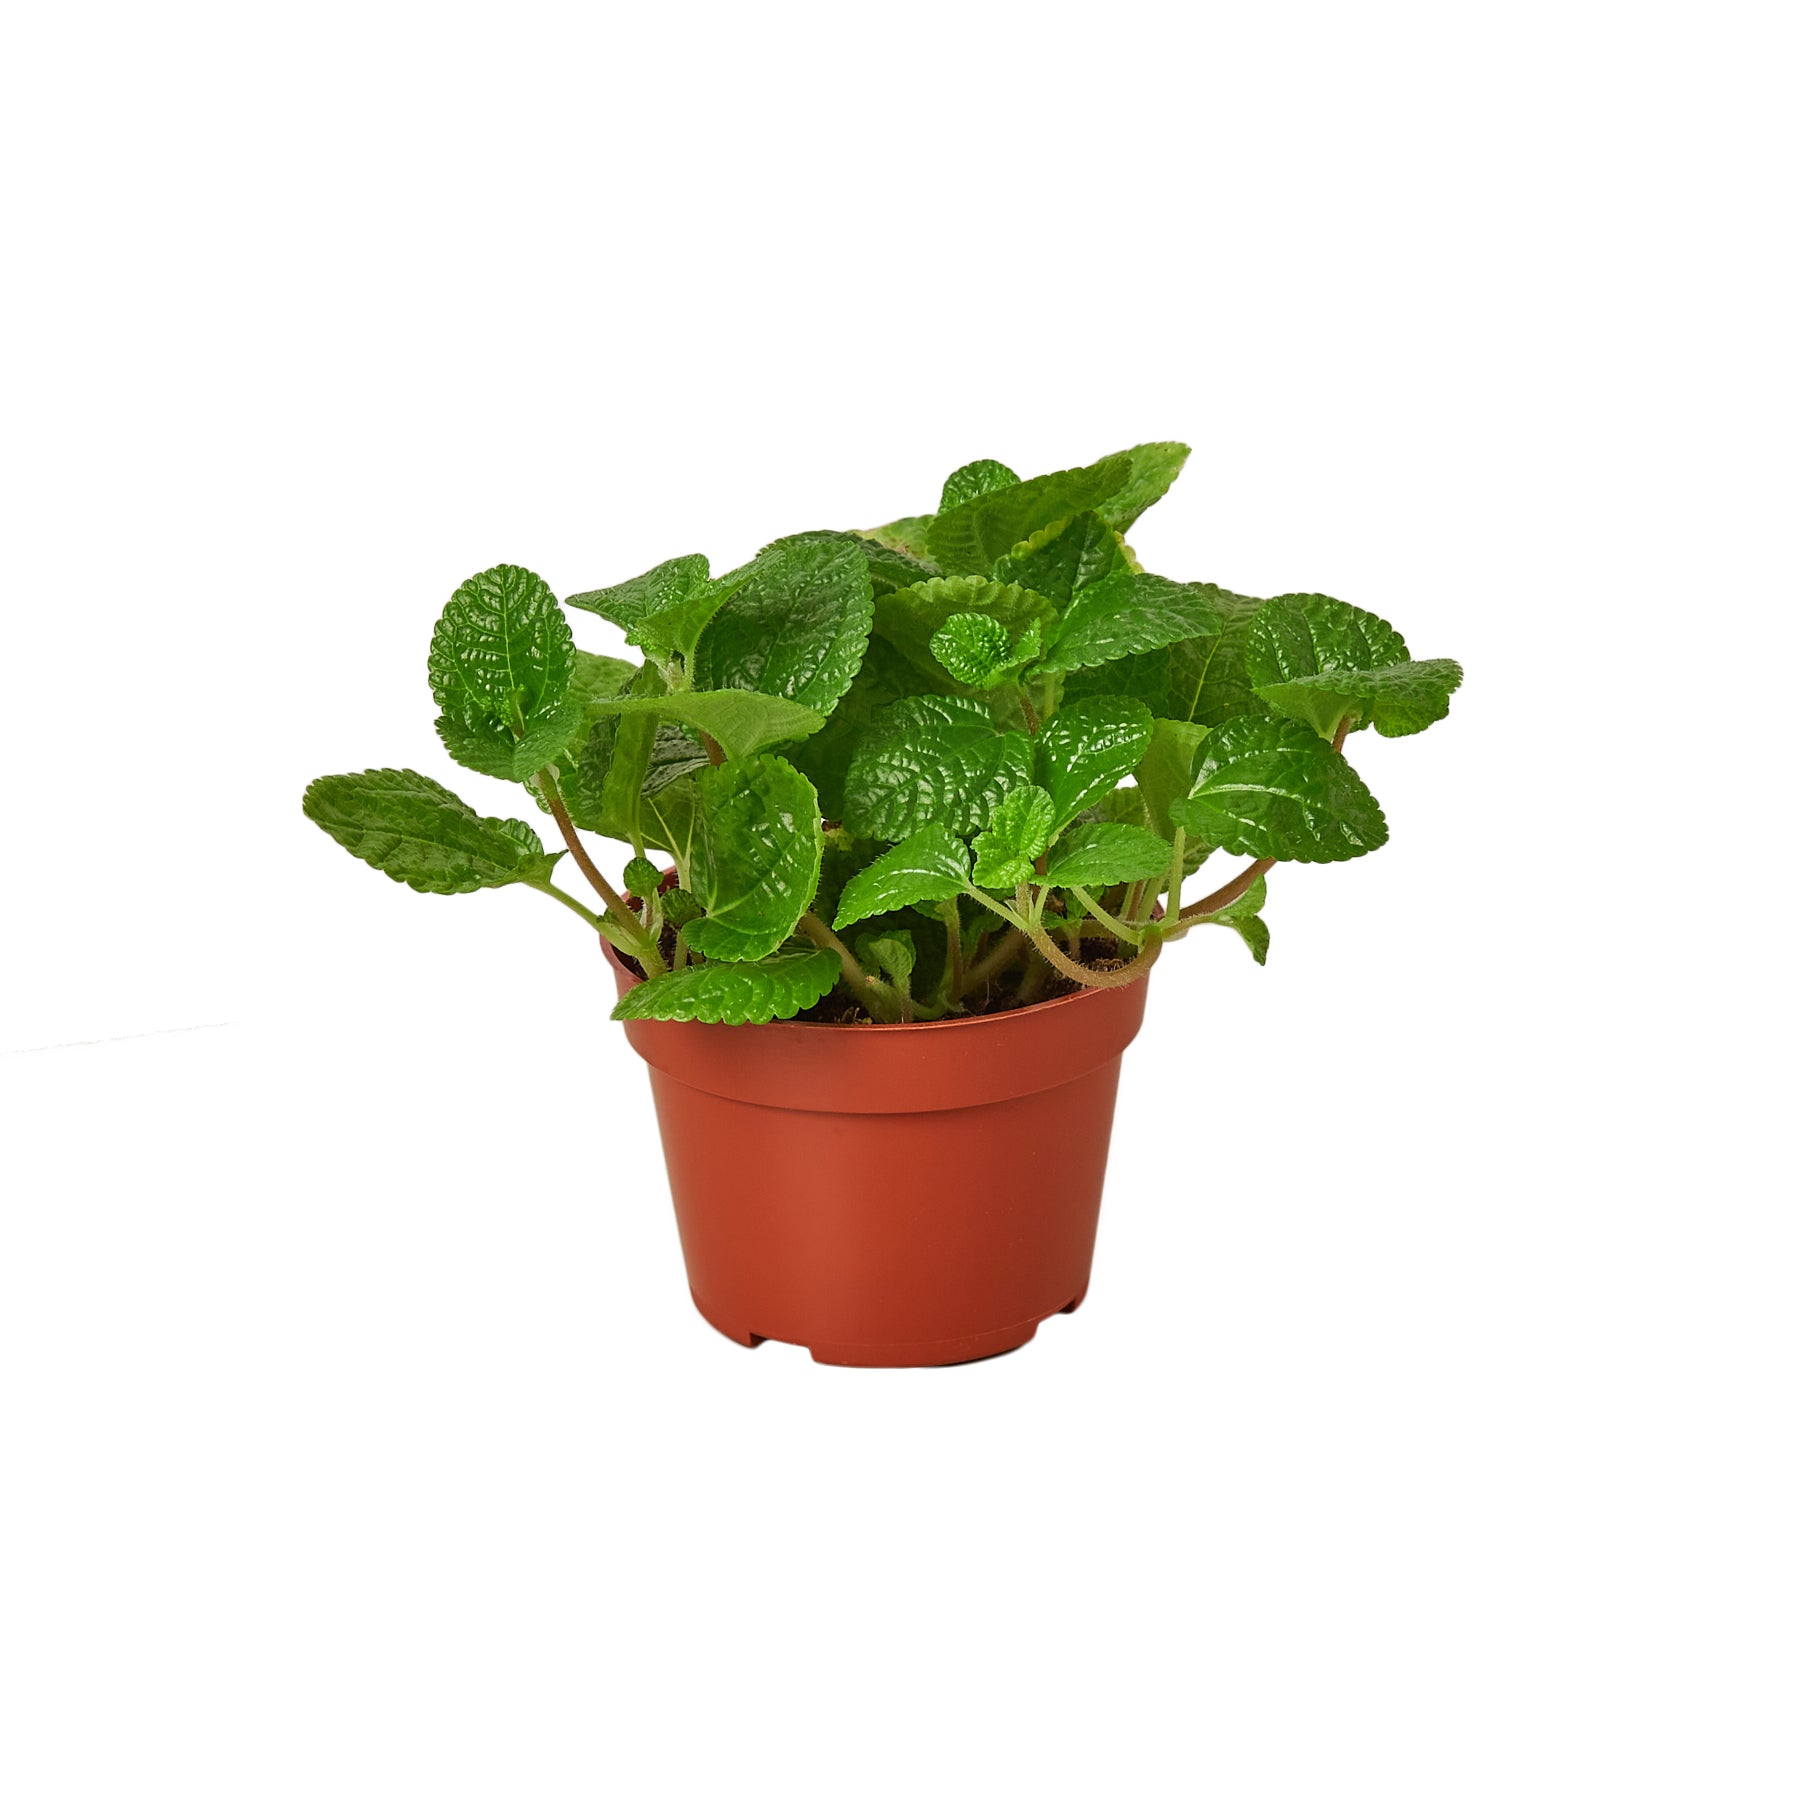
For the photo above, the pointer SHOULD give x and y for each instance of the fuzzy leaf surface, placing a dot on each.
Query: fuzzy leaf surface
(929, 866)
(980, 652)
(415, 831)
(1271, 787)
(502, 663)
(797, 627)
(972, 480)
(1153, 471)
(724, 993)
(969, 539)
(1007, 852)
(740, 723)
(1099, 855)
(1088, 748)
(1126, 614)
(756, 854)
(824, 759)
(910, 618)
(936, 759)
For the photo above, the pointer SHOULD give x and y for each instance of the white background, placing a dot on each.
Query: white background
(1429, 1430)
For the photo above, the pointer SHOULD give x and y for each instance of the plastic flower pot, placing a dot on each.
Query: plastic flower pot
(890, 1196)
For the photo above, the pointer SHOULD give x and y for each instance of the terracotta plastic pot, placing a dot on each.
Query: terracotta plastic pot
(890, 1195)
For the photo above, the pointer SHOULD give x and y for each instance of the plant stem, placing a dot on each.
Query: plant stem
(1135, 970)
(1126, 934)
(568, 900)
(984, 971)
(1033, 982)
(872, 998)
(1239, 885)
(1030, 712)
(1177, 867)
(954, 976)
(620, 914)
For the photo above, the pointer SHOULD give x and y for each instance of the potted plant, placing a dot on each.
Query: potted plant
(910, 813)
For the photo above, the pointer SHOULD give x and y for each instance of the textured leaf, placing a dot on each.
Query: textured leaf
(1153, 471)
(1126, 614)
(888, 568)
(970, 538)
(1064, 557)
(1243, 917)
(1270, 787)
(1098, 856)
(739, 723)
(797, 628)
(725, 993)
(910, 618)
(1007, 852)
(627, 604)
(415, 831)
(595, 678)
(614, 760)
(674, 752)
(1166, 773)
(1321, 661)
(502, 662)
(931, 865)
(911, 537)
(935, 759)
(973, 480)
(1208, 682)
(893, 952)
(980, 652)
(755, 863)
(885, 676)
(668, 818)
(1089, 747)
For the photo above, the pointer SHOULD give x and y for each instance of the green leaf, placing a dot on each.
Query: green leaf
(970, 538)
(596, 678)
(1243, 917)
(1126, 614)
(930, 865)
(973, 480)
(1166, 773)
(911, 537)
(740, 723)
(1321, 661)
(1270, 787)
(824, 759)
(725, 993)
(936, 759)
(674, 752)
(1007, 852)
(797, 627)
(980, 652)
(755, 865)
(627, 604)
(1089, 747)
(1100, 856)
(502, 662)
(1208, 682)
(614, 761)
(1153, 471)
(415, 831)
(1063, 558)
(642, 877)
(893, 952)
(911, 618)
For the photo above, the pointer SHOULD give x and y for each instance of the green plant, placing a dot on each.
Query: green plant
(935, 766)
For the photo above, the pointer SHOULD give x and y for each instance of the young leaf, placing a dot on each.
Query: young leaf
(893, 952)
(627, 604)
(502, 662)
(725, 993)
(642, 877)
(755, 863)
(797, 627)
(973, 480)
(1318, 660)
(1063, 558)
(935, 759)
(979, 651)
(968, 539)
(930, 865)
(1126, 614)
(415, 831)
(740, 723)
(1153, 471)
(1089, 747)
(1007, 852)
(1270, 787)
(1099, 856)
(1166, 773)
(911, 618)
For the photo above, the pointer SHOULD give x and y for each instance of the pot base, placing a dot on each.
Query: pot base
(943, 1353)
